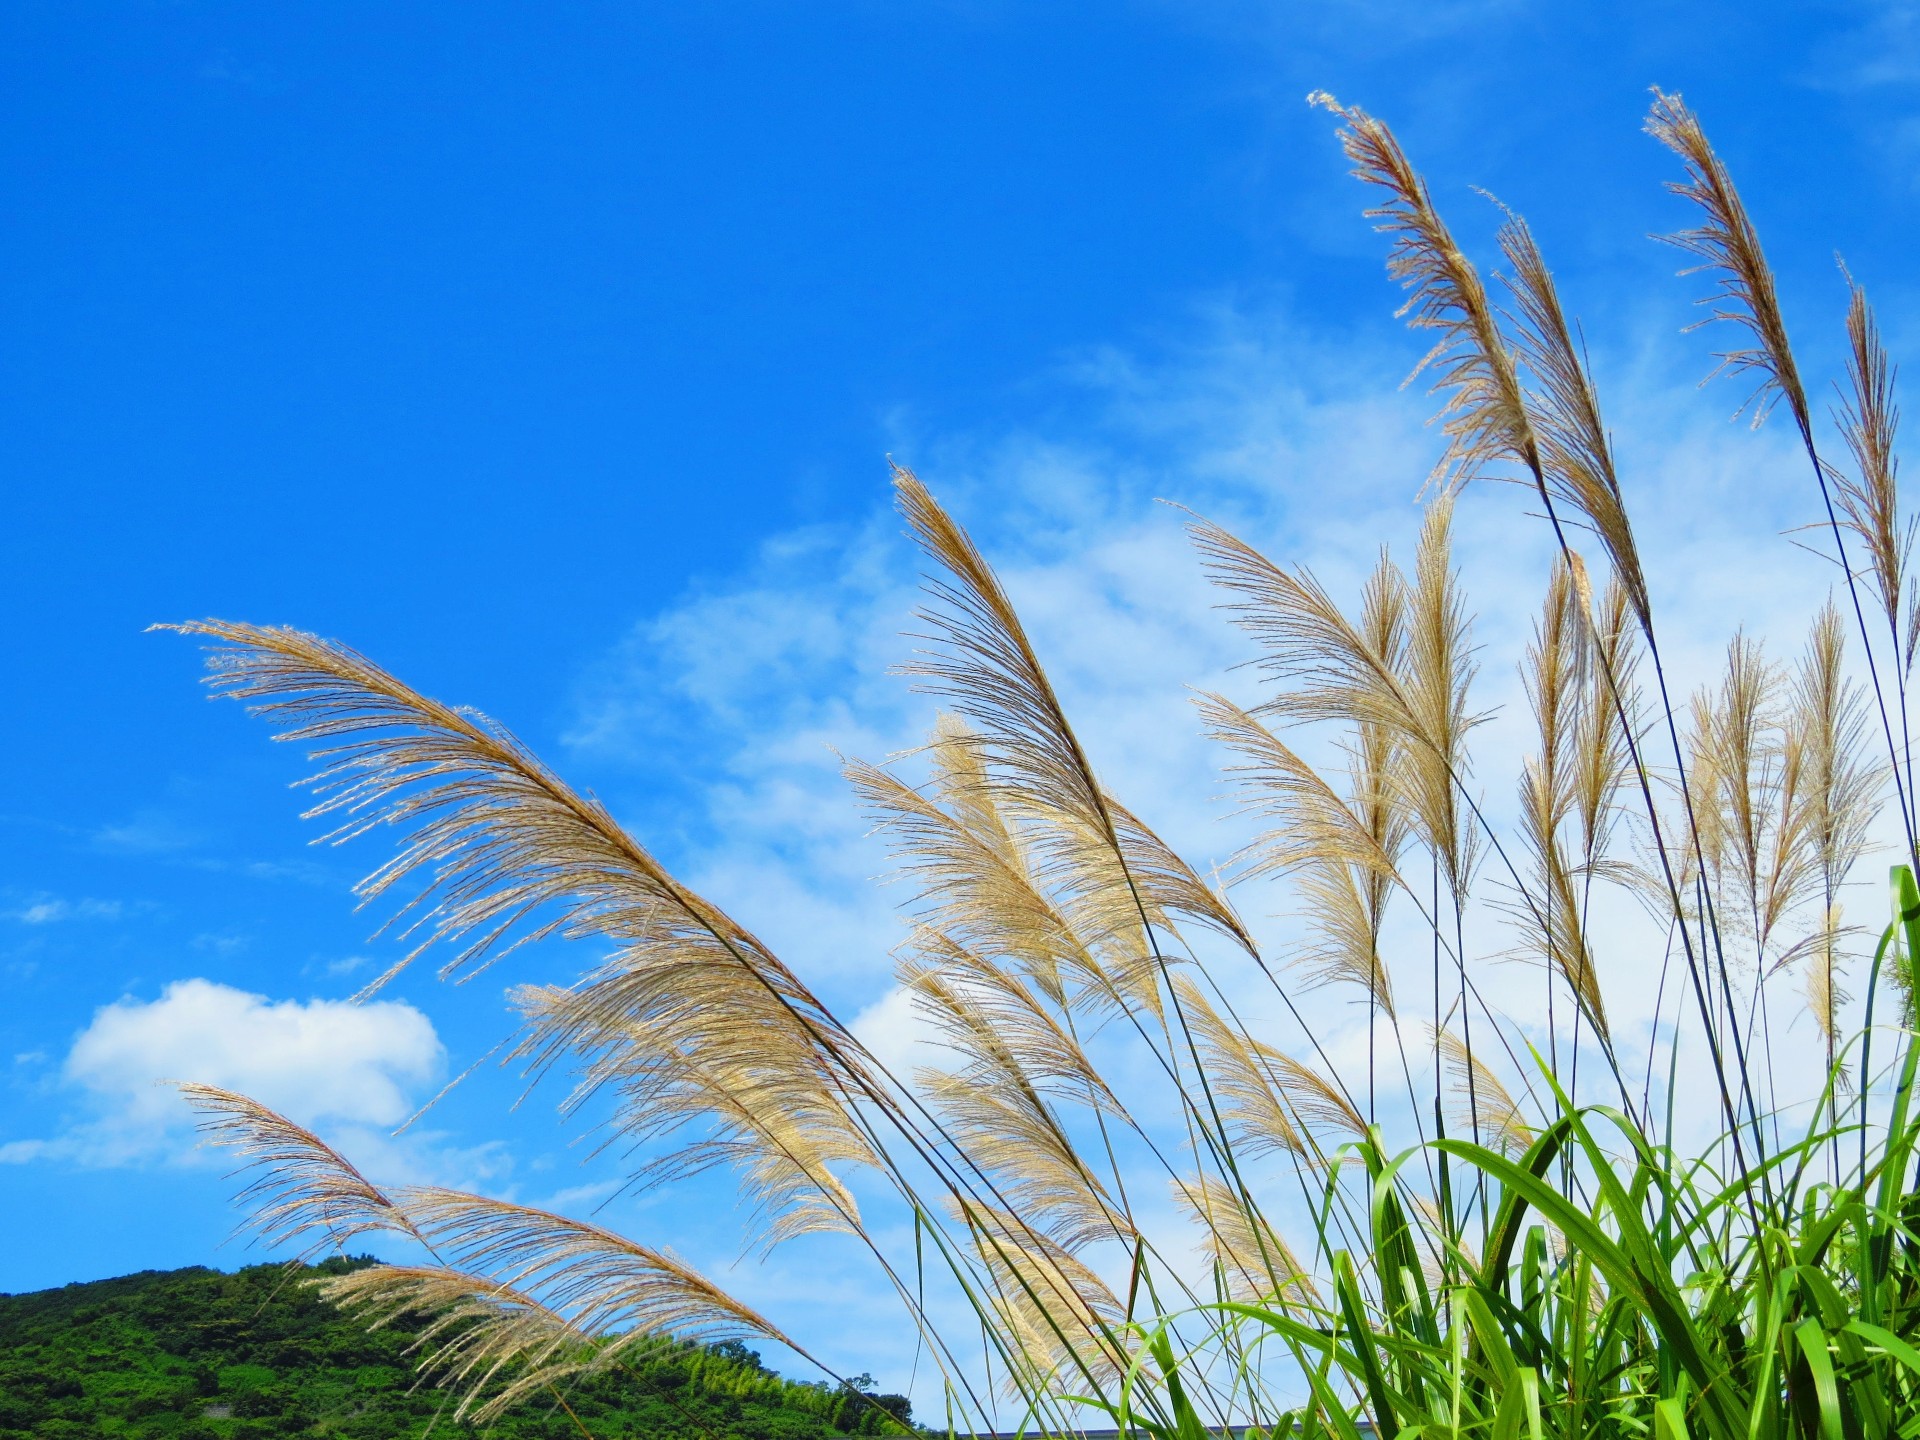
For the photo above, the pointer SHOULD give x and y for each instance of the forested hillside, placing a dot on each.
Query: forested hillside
(201, 1355)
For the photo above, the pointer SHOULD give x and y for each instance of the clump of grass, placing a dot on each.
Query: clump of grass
(1493, 1229)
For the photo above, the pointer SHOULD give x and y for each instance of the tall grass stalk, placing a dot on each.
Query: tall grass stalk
(1488, 1225)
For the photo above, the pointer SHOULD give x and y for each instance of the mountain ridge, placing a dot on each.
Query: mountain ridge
(255, 1354)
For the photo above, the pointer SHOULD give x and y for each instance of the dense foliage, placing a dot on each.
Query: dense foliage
(199, 1355)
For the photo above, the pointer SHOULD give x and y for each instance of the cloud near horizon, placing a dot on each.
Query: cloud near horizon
(324, 1063)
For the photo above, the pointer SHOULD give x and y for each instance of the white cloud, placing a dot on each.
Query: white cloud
(216, 943)
(53, 911)
(579, 1200)
(318, 1059)
(897, 1032)
(1880, 47)
(159, 837)
(150, 832)
(322, 1063)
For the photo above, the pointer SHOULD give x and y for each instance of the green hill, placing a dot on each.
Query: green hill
(201, 1355)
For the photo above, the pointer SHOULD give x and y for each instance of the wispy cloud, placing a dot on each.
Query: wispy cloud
(221, 943)
(157, 836)
(53, 911)
(354, 1071)
(149, 832)
(1879, 48)
(1303, 443)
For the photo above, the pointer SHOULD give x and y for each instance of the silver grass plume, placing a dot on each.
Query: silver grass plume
(1251, 1259)
(985, 666)
(1603, 747)
(602, 1282)
(494, 838)
(1828, 715)
(1271, 1101)
(1552, 674)
(1345, 854)
(1326, 667)
(1308, 817)
(1117, 877)
(1480, 1098)
(1869, 498)
(1756, 771)
(1557, 684)
(752, 1093)
(1377, 752)
(976, 880)
(983, 1002)
(1729, 250)
(1576, 455)
(1822, 983)
(1063, 1327)
(1485, 415)
(536, 1289)
(491, 1345)
(500, 852)
(300, 1191)
(996, 1114)
(1439, 670)
(478, 1336)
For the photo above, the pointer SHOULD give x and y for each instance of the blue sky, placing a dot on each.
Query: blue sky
(551, 355)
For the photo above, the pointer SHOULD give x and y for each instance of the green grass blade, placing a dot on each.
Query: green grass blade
(1826, 1390)
(1638, 1273)
(1669, 1419)
(1353, 1310)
